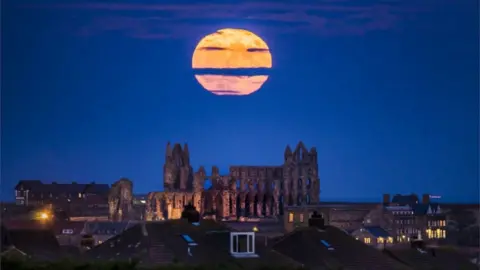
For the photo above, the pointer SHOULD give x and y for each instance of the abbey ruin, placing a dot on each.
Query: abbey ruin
(246, 191)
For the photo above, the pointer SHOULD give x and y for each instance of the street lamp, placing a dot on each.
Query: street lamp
(43, 215)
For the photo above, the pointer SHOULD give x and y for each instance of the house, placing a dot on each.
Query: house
(326, 247)
(68, 233)
(206, 242)
(298, 216)
(405, 216)
(373, 236)
(101, 231)
(35, 192)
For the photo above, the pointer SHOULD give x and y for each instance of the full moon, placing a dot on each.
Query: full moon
(223, 59)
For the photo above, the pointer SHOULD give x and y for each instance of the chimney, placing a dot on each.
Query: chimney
(426, 198)
(386, 198)
(316, 220)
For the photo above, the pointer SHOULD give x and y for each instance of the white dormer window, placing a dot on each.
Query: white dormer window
(67, 231)
(238, 250)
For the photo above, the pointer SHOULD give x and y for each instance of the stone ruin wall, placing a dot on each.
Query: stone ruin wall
(246, 191)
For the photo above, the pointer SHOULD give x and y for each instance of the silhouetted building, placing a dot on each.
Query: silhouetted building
(35, 192)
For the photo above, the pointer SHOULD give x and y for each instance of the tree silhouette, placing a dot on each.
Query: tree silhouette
(190, 213)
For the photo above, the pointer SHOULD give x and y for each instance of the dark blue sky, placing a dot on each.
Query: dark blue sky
(387, 91)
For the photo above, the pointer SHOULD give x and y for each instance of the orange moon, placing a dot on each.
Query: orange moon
(231, 50)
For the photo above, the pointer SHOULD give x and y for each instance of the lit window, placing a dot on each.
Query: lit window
(301, 218)
(100, 242)
(79, 195)
(367, 240)
(380, 240)
(429, 233)
(290, 217)
(390, 240)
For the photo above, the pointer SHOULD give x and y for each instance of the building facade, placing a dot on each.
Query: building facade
(36, 193)
(405, 216)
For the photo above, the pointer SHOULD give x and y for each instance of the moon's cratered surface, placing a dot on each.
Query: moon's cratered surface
(228, 51)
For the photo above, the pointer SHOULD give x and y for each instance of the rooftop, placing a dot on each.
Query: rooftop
(332, 248)
(164, 242)
(442, 258)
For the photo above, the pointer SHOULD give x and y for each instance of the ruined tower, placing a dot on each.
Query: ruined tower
(177, 172)
(300, 176)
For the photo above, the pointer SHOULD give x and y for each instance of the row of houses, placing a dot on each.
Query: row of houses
(71, 233)
(395, 221)
(315, 246)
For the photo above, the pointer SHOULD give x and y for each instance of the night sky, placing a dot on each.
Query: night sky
(386, 91)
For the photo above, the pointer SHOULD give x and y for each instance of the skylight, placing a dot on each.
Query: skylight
(327, 245)
(189, 240)
(196, 223)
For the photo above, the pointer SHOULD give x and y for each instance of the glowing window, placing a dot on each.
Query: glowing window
(290, 217)
(380, 240)
(301, 217)
(390, 240)
(367, 240)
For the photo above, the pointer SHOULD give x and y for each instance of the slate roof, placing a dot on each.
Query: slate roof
(107, 227)
(97, 188)
(377, 231)
(128, 245)
(76, 227)
(164, 244)
(61, 188)
(39, 244)
(405, 199)
(444, 259)
(421, 209)
(23, 224)
(305, 246)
